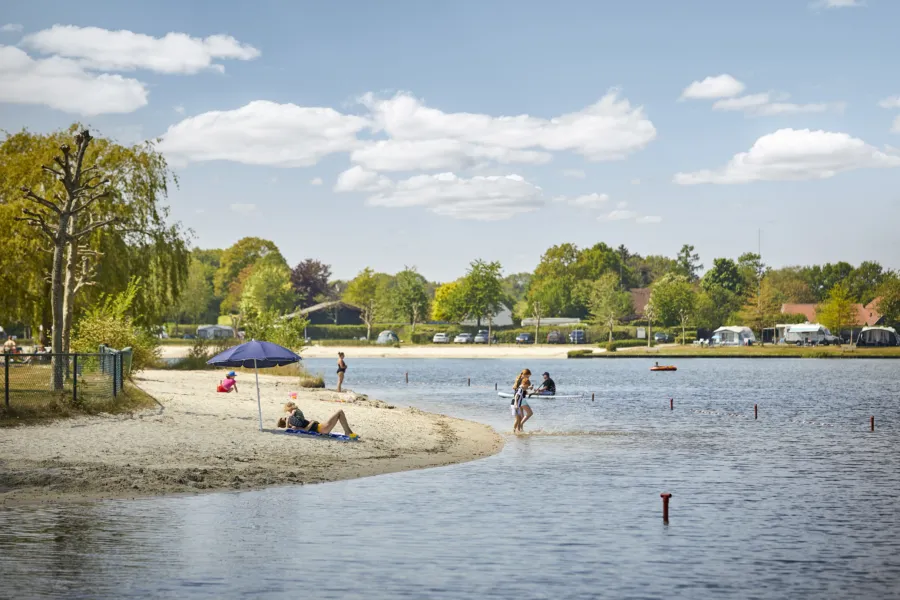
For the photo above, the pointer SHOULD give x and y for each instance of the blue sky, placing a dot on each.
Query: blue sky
(808, 92)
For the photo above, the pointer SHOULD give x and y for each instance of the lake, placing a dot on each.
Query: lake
(797, 504)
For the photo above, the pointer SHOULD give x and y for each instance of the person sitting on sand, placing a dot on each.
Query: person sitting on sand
(296, 420)
(519, 406)
(228, 384)
(547, 387)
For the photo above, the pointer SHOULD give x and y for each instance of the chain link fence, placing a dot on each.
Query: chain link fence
(42, 381)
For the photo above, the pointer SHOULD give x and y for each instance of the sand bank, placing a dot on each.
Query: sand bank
(422, 351)
(198, 440)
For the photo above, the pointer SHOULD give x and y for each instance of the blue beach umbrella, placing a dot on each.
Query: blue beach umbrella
(257, 355)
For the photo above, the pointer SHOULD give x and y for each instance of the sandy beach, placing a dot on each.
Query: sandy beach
(197, 440)
(421, 351)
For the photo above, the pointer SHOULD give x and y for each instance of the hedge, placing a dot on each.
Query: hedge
(625, 344)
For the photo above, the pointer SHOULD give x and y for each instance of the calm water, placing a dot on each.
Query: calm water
(798, 504)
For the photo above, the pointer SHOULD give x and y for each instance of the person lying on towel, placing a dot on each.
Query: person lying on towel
(228, 384)
(296, 420)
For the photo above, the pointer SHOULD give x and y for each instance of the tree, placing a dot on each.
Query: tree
(715, 307)
(362, 292)
(554, 281)
(889, 300)
(650, 268)
(197, 295)
(822, 278)
(761, 309)
(516, 285)
(244, 253)
(609, 302)
(271, 327)
(674, 300)
(310, 281)
(482, 291)
(752, 270)
(592, 263)
(449, 303)
(267, 290)
(724, 274)
(865, 280)
(409, 296)
(837, 312)
(791, 285)
(98, 206)
(688, 262)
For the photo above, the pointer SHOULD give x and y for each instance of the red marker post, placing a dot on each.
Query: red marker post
(671, 403)
(755, 411)
(872, 423)
(665, 499)
(407, 377)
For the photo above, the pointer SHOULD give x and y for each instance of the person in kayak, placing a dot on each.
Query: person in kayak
(519, 406)
(547, 387)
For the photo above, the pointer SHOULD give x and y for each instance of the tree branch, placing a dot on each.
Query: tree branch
(38, 222)
(90, 201)
(92, 227)
(59, 174)
(42, 201)
(83, 139)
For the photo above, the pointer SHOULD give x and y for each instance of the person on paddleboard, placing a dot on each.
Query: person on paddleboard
(547, 387)
(519, 406)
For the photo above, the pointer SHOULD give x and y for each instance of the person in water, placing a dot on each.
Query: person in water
(296, 420)
(341, 369)
(519, 407)
(547, 387)
(228, 384)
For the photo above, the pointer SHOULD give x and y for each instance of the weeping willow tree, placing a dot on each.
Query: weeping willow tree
(88, 214)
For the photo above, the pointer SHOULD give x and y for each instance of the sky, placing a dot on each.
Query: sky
(430, 134)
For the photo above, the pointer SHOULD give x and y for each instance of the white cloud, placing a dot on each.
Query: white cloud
(648, 219)
(125, 50)
(610, 129)
(433, 155)
(717, 86)
(243, 209)
(836, 3)
(179, 109)
(263, 133)
(11, 28)
(63, 84)
(618, 215)
(357, 179)
(316, 181)
(574, 173)
(763, 105)
(489, 198)
(594, 200)
(892, 102)
(896, 126)
(790, 154)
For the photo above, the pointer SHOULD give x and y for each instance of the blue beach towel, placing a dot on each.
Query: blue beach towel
(335, 436)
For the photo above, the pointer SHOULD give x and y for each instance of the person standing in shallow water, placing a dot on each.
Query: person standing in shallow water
(341, 369)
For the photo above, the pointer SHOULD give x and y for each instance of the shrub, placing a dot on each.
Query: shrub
(109, 323)
(688, 339)
(307, 380)
(579, 353)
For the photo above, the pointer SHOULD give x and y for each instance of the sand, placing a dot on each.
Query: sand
(421, 351)
(197, 440)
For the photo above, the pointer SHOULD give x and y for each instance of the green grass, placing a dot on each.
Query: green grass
(769, 351)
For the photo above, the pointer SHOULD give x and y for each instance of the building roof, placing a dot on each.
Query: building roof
(639, 299)
(865, 315)
(321, 306)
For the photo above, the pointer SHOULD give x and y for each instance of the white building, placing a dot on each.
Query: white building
(501, 319)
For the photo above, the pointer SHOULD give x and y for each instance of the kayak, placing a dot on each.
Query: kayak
(545, 396)
(664, 368)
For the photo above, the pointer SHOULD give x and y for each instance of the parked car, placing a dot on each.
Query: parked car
(577, 337)
(463, 338)
(188, 336)
(661, 337)
(481, 337)
(524, 338)
(387, 337)
(555, 337)
(441, 338)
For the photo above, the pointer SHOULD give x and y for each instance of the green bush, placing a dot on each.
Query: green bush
(580, 353)
(108, 323)
(688, 339)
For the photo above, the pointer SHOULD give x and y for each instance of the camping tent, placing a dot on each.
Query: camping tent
(878, 336)
(733, 336)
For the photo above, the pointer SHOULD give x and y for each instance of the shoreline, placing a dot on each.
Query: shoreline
(418, 351)
(198, 441)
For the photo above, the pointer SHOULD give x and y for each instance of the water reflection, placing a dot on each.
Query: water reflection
(796, 504)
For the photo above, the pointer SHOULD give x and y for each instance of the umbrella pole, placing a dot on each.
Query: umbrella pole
(258, 403)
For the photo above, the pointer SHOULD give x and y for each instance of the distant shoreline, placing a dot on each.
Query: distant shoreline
(549, 351)
(760, 352)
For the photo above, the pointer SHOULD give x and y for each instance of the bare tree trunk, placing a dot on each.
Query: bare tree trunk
(490, 328)
(56, 301)
(69, 289)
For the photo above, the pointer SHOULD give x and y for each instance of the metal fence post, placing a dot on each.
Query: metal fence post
(6, 379)
(75, 378)
(115, 374)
